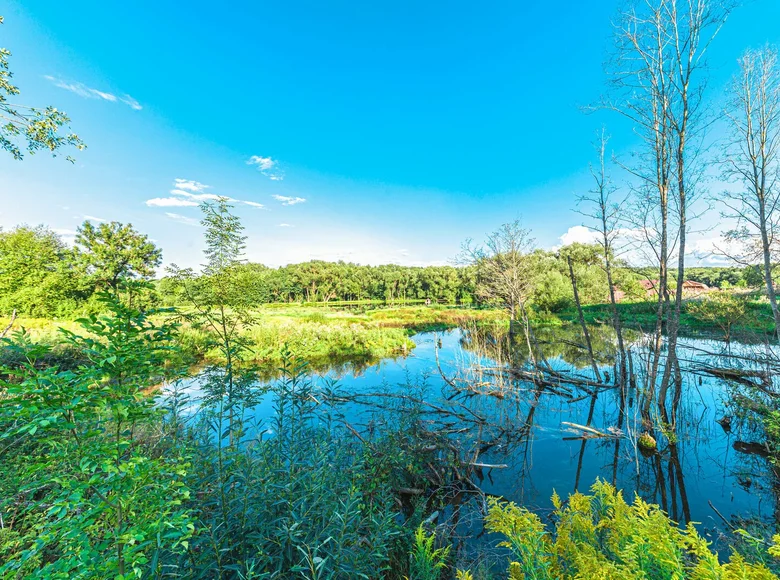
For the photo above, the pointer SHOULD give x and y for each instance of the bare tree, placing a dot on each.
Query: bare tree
(504, 276)
(752, 162)
(658, 81)
(602, 205)
(503, 271)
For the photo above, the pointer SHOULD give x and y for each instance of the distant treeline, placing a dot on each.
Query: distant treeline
(41, 275)
(319, 281)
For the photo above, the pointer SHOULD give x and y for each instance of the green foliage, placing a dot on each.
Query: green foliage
(28, 128)
(319, 281)
(600, 536)
(723, 309)
(553, 290)
(286, 497)
(94, 497)
(427, 562)
(114, 253)
(35, 274)
(40, 276)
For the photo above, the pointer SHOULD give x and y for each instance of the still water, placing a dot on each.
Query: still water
(704, 470)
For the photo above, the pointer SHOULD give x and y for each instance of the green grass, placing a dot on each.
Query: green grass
(316, 333)
(642, 316)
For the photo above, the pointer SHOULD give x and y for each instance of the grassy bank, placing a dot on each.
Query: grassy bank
(316, 333)
(642, 316)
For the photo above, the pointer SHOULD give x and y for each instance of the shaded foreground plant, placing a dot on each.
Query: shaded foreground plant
(288, 498)
(90, 486)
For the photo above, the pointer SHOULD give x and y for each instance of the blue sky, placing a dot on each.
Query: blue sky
(405, 126)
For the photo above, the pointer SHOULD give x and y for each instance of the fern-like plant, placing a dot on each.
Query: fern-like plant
(427, 562)
(599, 536)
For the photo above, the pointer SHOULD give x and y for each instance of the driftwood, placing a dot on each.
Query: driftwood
(589, 431)
(489, 465)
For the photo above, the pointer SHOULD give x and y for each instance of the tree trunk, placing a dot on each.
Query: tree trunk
(770, 285)
(585, 332)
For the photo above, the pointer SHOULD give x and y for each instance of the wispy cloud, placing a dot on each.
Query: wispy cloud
(267, 166)
(183, 219)
(171, 202)
(289, 200)
(189, 185)
(83, 90)
(285, 226)
(197, 196)
(189, 193)
(91, 218)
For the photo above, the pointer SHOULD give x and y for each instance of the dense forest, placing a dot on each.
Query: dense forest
(42, 276)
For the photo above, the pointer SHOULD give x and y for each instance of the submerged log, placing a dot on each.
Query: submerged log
(741, 376)
(588, 430)
(752, 448)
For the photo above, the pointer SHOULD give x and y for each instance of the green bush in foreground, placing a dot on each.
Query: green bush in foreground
(600, 536)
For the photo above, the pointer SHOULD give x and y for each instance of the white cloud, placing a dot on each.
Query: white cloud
(712, 251)
(288, 200)
(285, 226)
(189, 185)
(92, 218)
(83, 90)
(198, 196)
(171, 202)
(263, 163)
(579, 235)
(183, 219)
(189, 193)
(267, 166)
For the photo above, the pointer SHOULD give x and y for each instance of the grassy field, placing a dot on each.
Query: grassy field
(326, 334)
(314, 333)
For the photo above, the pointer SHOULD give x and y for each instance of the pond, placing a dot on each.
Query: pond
(708, 468)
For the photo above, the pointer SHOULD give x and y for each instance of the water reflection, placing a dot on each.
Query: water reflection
(561, 435)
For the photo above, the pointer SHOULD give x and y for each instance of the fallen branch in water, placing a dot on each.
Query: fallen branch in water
(589, 430)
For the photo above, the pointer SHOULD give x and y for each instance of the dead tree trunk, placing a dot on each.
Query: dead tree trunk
(585, 332)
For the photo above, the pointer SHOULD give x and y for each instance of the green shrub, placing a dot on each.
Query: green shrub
(600, 536)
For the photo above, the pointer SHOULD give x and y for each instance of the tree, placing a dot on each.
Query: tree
(503, 273)
(604, 208)
(28, 128)
(114, 253)
(658, 78)
(95, 496)
(585, 255)
(35, 273)
(753, 163)
(721, 308)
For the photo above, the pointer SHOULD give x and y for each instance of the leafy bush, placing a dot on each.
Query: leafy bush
(85, 482)
(600, 536)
